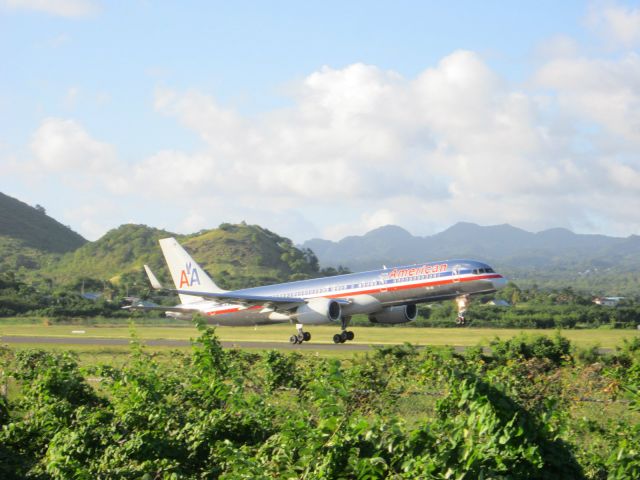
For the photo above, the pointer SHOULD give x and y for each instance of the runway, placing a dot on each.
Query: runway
(27, 339)
(18, 339)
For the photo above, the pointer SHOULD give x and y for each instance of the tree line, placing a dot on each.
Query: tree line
(528, 308)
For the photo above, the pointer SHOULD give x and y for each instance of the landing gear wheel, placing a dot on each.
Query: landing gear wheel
(301, 336)
(345, 335)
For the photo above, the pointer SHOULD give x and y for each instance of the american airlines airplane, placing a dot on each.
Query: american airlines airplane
(387, 296)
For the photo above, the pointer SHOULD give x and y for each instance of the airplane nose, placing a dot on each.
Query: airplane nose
(499, 282)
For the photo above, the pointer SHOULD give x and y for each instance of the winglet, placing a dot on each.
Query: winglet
(152, 278)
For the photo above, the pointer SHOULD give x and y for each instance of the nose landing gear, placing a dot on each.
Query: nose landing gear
(462, 303)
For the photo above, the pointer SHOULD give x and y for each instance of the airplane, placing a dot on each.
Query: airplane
(387, 296)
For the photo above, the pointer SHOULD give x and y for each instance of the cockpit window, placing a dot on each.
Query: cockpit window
(490, 270)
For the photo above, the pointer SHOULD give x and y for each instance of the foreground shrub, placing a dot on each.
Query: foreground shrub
(525, 347)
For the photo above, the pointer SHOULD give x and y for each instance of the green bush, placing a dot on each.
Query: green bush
(216, 413)
(524, 347)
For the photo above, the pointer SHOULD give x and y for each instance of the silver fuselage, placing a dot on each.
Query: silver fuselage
(363, 293)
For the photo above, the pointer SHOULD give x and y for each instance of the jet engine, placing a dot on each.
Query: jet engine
(391, 315)
(318, 311)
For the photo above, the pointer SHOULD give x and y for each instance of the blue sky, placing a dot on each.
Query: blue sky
(322, 118)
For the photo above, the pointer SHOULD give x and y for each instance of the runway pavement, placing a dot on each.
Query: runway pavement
(17, 339)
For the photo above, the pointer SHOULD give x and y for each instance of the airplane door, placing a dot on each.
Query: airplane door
(455, 271)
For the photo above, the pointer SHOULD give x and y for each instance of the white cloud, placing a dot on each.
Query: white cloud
(617, 24)
(64, 145)
(606, 92)
(63, 8)
(360, 147)
(624, 176)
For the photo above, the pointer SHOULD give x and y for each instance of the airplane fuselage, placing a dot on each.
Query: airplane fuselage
(361, 293)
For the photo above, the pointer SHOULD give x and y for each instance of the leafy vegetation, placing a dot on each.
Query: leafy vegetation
(398, 413)
(536, 308)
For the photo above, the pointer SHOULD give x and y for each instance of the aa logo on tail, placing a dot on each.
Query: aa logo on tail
(189, 276)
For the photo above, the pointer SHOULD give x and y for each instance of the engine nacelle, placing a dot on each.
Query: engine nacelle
(391, 315)
(317, 311)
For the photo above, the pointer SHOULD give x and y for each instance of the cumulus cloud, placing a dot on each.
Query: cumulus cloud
(63, 8)
(62, 144)
(606, 92)
(360, 147)
(64, 151)
(453, 142)
(619, 25)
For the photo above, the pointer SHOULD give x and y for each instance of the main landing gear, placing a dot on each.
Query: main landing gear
(345, 335)
(301, 336)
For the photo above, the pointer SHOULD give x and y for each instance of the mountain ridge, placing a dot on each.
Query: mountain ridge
(247, 255)
(547, 257)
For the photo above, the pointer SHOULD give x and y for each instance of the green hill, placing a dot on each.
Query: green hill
(37, 248)
(34, 229)
(235, 255)
(119, 251)
(30, 239)
(249, 255)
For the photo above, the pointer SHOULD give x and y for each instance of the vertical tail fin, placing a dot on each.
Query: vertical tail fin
(185, 272)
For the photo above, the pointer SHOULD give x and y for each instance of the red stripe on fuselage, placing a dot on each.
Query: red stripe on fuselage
(233, 309)
(390, 288)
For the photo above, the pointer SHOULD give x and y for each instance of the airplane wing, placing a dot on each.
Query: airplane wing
(242, 298)
(267, 302)
(246, 300)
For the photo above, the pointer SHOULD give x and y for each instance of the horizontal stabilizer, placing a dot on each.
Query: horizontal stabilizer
(152, 278)
(154, 307)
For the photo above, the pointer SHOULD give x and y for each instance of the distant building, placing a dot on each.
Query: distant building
(499, 303)
(91, 296)
(607, 301)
